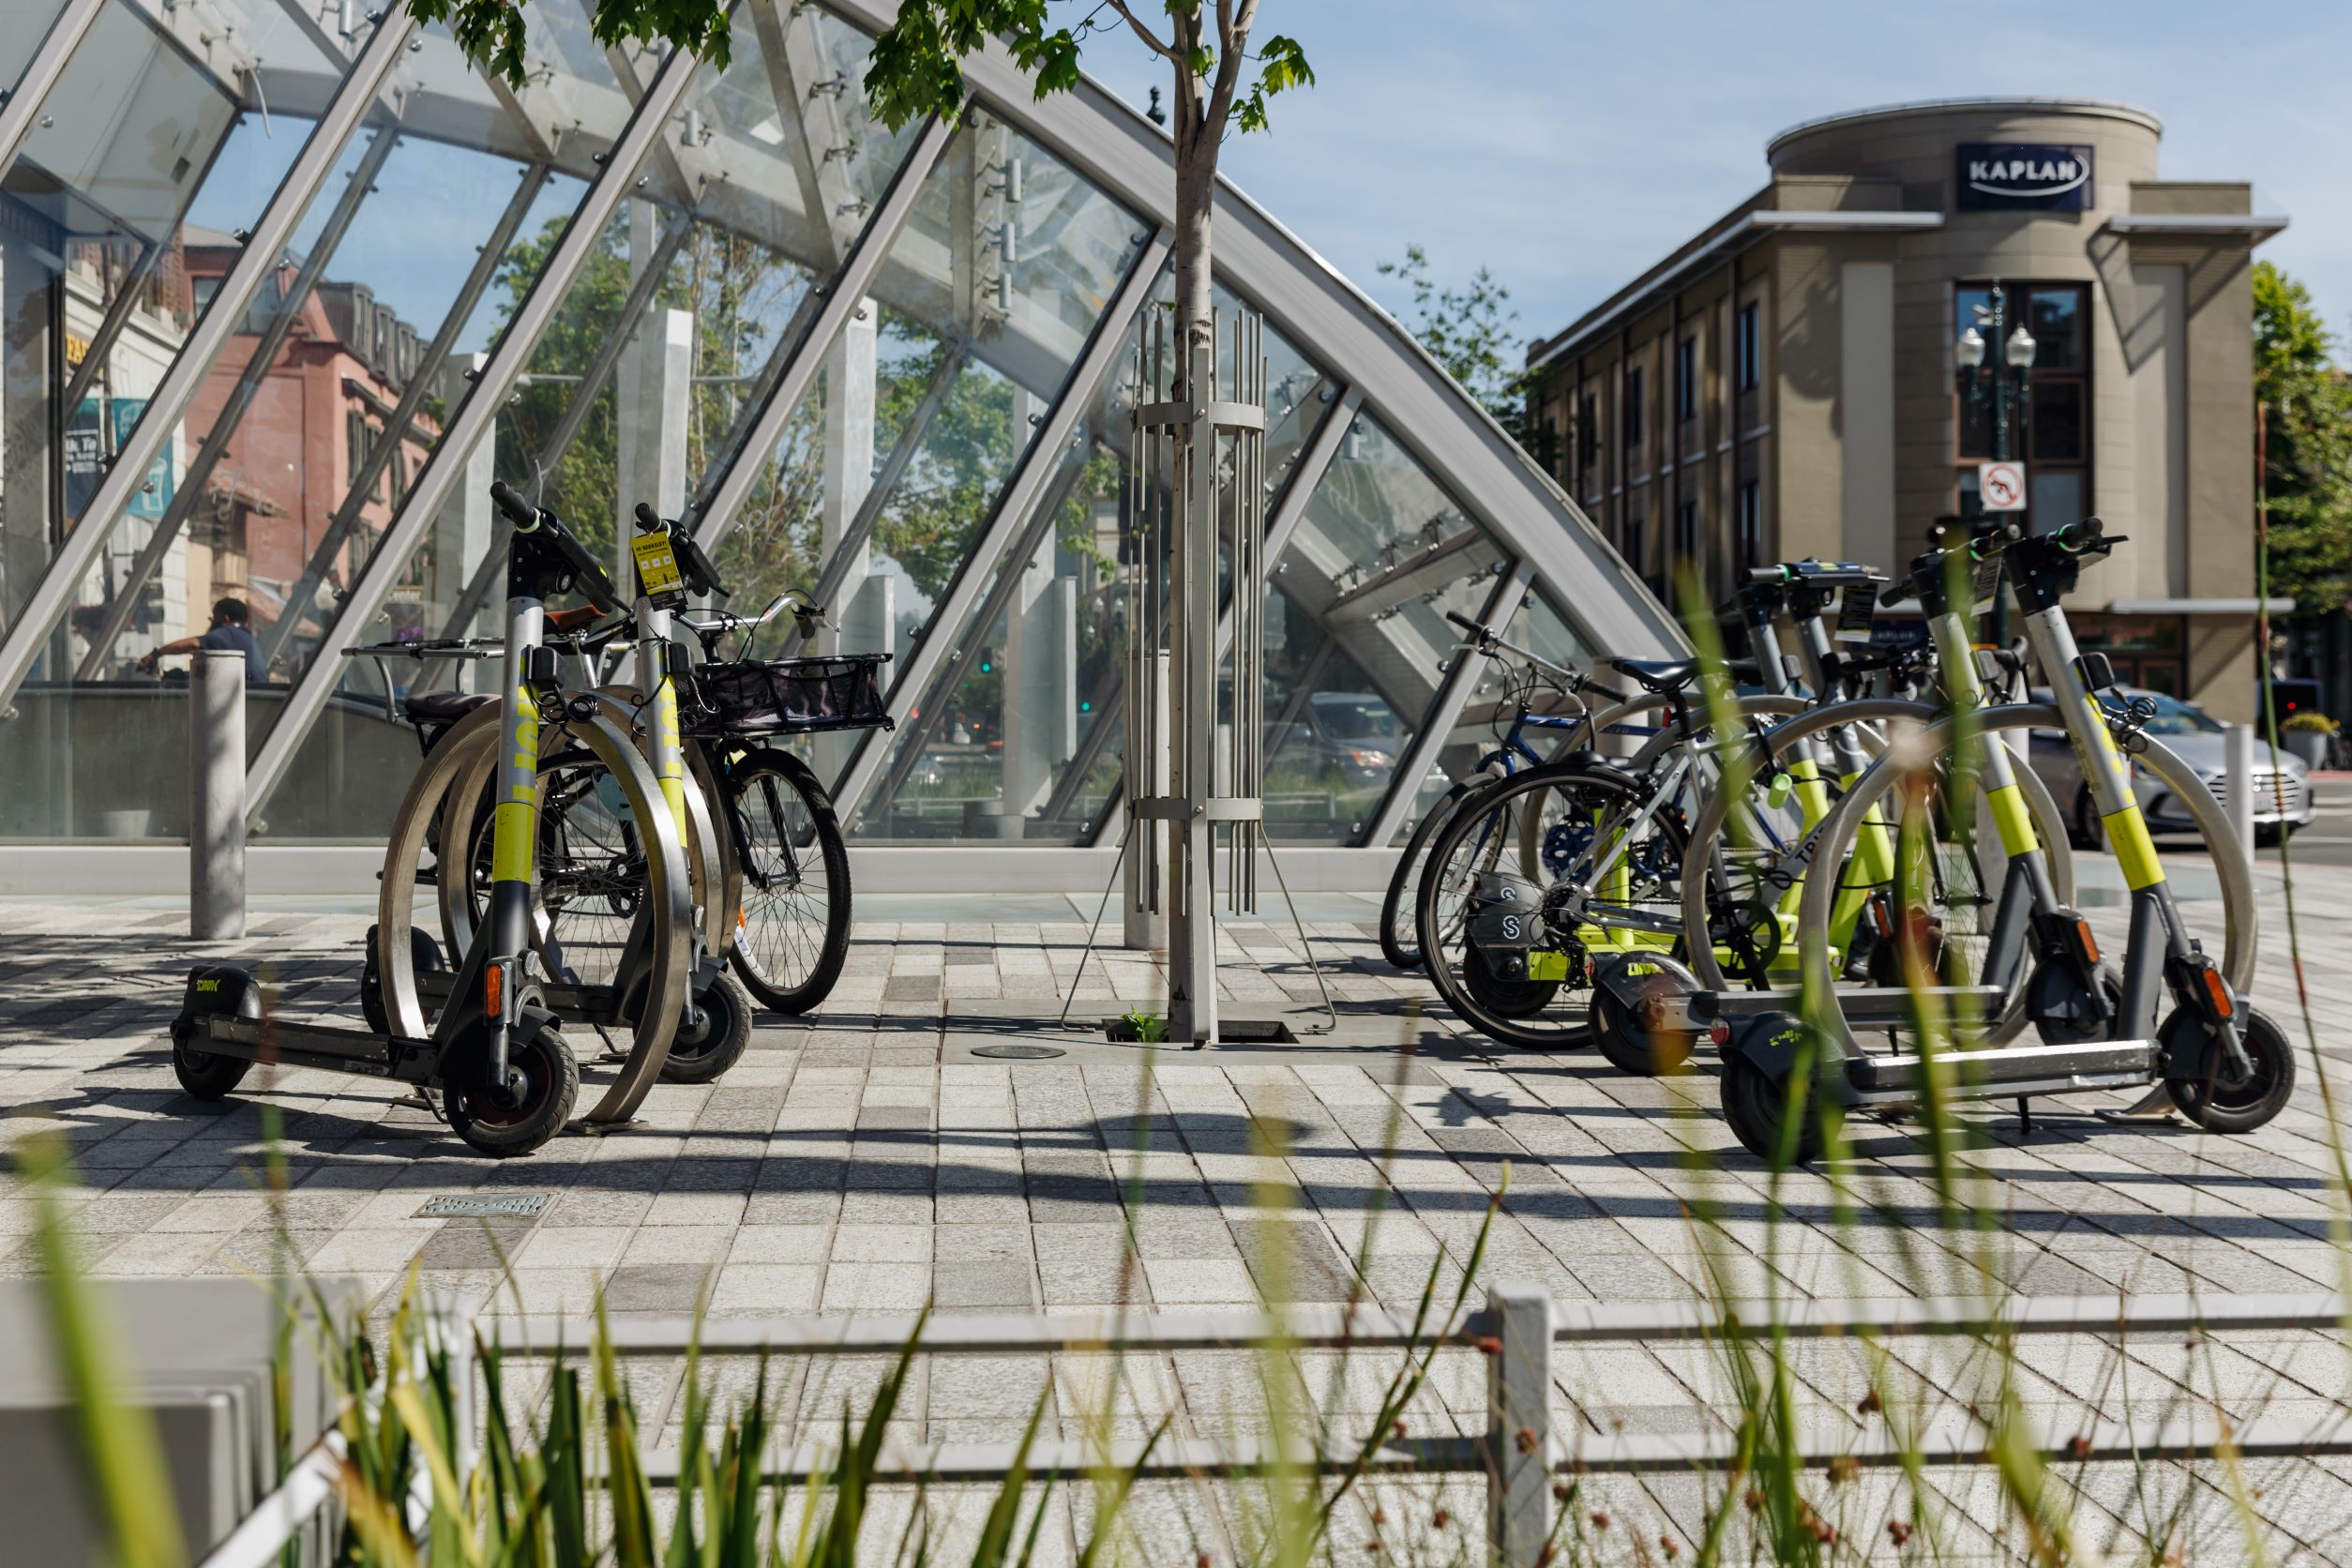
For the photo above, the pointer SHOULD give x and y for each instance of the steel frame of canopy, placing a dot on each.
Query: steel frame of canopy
(1372, 363)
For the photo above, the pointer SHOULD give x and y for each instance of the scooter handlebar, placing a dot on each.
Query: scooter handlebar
(647, 518)
(521, 512)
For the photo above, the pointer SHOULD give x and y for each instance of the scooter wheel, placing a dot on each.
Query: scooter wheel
(2241, 1108)
(551, 1081)
(1757, 1106)
(1631, 1047)
(214, 992)
(700, 1053)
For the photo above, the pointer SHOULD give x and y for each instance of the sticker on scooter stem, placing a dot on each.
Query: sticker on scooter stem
(656, 564)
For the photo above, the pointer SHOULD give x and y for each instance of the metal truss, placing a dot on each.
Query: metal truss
(354, 100)
(1460, 681)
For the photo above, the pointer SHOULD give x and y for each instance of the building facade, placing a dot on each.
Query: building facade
(1791, 382)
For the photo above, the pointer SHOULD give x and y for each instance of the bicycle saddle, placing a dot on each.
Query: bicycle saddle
(1673, 674)
(441, 707)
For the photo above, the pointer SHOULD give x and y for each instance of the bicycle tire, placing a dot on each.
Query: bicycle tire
(770, 932)
(1454, 989)
(1705, 828)
(2241, 922)
(1400, 924)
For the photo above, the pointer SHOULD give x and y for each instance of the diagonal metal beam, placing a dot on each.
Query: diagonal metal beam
(974, 634)
(870, 509)
(1460, 681)
(421, 386)
(21, 111)
(567, 425)
(240, 399)
(714, 513)
(353, 103)
(792, 118)
(470, 424)
(1030, 478)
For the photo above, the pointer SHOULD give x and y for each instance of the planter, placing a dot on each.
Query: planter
(2309, 745)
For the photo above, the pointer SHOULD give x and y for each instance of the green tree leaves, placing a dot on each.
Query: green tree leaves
(2307, 454)
(1473, 331)
(492, 32)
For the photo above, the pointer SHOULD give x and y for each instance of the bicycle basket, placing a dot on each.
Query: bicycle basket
(833, 692)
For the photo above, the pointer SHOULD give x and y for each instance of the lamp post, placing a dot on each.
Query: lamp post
(1999, 385)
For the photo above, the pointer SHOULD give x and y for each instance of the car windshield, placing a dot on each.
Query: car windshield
(2172, 717)
(1356, 717)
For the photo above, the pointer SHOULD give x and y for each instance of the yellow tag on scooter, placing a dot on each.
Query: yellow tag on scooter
(656, 564)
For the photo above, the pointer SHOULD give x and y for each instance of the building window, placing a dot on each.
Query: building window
(1747, 347)
(1632, 546)
(1587, 431)
(1686, 379)
(1749, 520)
(1633, 405)
(2049, 427)
(1686, 530)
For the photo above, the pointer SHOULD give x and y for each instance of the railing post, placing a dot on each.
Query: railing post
(2238, 772)
(1519, 1424)
(215, 795)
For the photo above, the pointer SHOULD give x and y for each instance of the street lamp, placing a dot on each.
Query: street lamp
(2001, 386)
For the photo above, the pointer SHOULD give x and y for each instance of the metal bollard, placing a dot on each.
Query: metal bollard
(2239, 773)
(215, 795)
(1520, 1424)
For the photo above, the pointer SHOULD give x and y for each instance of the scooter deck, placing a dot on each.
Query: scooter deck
(334, 1048)
(1864, 1006)
(2013, 1071)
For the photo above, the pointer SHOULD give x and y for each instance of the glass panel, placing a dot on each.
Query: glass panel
(884, 478)
(2058, 421)
(1356, 633)
(22, 36)
(2056, 497)
(1025, 747)
(2054, 316)
(741, 213)
(1479, 733)
(118, 213)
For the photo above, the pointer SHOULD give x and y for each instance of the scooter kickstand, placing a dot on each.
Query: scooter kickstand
(2156, 1105)
(2024, 1116)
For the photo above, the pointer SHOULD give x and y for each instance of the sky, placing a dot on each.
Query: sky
(1567, 144)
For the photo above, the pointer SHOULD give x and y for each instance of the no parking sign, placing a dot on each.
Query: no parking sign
(2001, 486)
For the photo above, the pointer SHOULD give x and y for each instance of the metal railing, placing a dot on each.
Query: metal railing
(1522, 1448)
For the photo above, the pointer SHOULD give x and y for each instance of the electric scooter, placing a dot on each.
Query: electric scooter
(497, 1054)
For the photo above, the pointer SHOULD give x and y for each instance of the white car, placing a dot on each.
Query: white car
(2282, 804)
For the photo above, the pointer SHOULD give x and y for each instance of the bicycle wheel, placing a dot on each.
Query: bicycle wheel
(1511, 954)
(1400, 928)
(793, 927)
(2216, 892)
(1750, 873)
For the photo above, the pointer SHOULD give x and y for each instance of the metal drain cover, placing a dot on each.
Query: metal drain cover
(1019, 1053)
(484, 1206)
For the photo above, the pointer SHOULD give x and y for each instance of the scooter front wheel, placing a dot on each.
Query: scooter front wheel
(550, 1082)
(2239, 1108)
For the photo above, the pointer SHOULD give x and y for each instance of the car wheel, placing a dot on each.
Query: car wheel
(2090, 832)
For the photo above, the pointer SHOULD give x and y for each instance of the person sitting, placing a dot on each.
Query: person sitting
(231, 630)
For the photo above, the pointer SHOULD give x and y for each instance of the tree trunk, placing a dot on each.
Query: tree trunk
(1195, 192)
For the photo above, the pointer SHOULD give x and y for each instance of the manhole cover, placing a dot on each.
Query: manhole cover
(1019, 1053)
(483, 1207)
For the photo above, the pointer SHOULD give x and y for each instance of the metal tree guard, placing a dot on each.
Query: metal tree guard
(1197, 500)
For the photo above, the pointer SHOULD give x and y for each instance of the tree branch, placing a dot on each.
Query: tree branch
(1233, 25)
(1151, 38)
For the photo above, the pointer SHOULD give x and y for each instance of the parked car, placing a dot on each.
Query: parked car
(2200, 740)
(1300, 751)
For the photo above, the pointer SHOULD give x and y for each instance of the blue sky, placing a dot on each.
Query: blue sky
(1568, 146)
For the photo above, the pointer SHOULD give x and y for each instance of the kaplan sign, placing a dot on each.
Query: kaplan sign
(2021, 174)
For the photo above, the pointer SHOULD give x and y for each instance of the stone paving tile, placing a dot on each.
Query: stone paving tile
(860, 1161)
